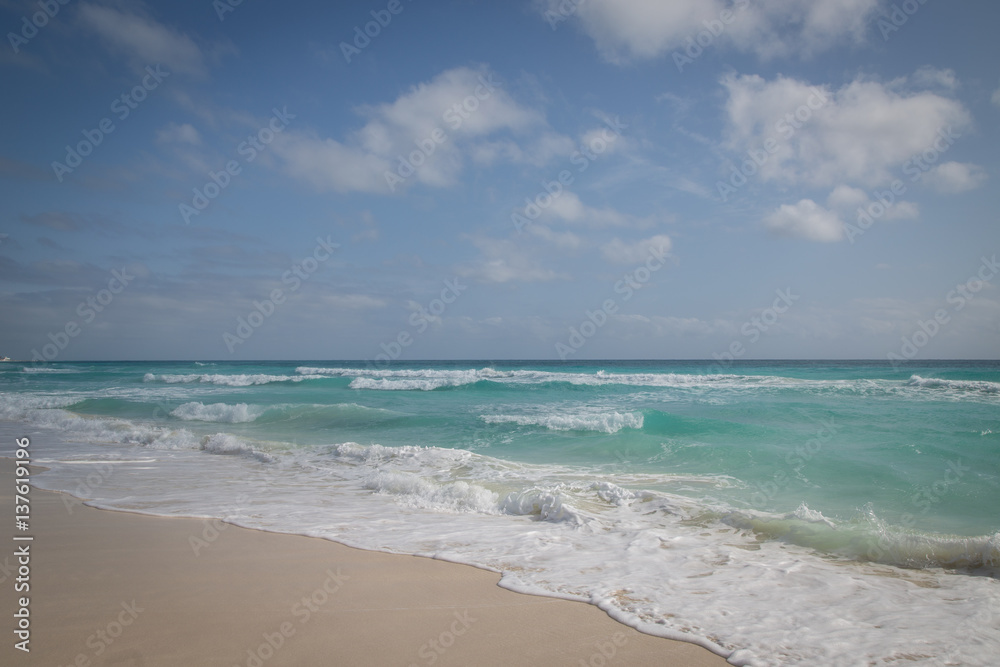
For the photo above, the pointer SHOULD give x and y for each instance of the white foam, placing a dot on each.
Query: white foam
(45, 412)
(604, 422)
(429, 379)
(223, 443)
(663, 563)
(405, 385)
(236, 380)
(48, 369)
(546, 504)
(218, 412)
(669, 564)
(961, 385)
(21, 406)
(416, 491)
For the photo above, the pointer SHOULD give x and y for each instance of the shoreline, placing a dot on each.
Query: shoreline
(123, 588)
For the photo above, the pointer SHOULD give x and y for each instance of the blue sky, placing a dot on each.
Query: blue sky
(535, 179)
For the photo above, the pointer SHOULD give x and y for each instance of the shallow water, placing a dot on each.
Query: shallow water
(775, 512)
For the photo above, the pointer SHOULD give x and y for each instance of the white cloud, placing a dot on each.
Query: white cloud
(538, 152)
(567, 207)
(179, 134)
(902, 210)
(639, 29)
(806, 220)
(628, 30)
(326, 163)
(504, 261)
(620, 252)
(861, 133)
(846, 197)
(597, 139)
(955, 177)
(145, 41)
(564, 240)
(847, 200)
(996, 97)
(434, 126)
(932, 77)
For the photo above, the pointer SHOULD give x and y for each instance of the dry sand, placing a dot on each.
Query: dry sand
(124, 589)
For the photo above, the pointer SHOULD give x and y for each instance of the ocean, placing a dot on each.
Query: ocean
(777, 513)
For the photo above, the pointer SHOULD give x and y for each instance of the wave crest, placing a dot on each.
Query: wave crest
(227, 380)
(218, 412)
(604, 422)
(983, 386)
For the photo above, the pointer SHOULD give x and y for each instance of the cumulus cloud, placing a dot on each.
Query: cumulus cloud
(143, 40)
(813, 222)
(932, 77)
(628, 30)
(861, 134)
(847, 201)
(806, 220)
(846, 197)
(955, 177)
(504, 261)
(568, 208)
(434, 126)
(329, 164)
(620, 252)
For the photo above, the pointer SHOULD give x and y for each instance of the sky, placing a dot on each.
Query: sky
(533, 179)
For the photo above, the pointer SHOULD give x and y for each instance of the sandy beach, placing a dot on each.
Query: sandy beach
(125, 589)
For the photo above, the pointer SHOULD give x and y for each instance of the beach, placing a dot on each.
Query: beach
(786, 513)
(127, 589)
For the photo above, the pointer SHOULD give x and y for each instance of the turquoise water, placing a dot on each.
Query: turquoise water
(857, 464)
